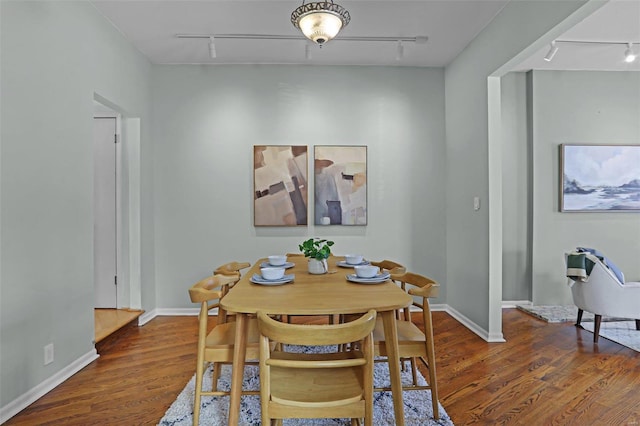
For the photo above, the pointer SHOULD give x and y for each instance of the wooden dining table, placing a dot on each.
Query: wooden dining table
(325, 294)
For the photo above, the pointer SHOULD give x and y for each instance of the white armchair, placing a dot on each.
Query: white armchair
(601, 293)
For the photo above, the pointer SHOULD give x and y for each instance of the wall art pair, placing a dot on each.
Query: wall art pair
(281, 185)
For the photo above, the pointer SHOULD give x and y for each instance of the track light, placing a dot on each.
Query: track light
(553, 49)
(212, 47)
(399, 51)
(629, 56)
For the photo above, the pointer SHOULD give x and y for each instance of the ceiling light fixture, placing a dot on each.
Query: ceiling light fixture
(552, 52)
(629, 56)
(212, 47)
(320, 21)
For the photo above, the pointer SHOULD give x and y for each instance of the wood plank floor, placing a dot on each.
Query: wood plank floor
(546, 374)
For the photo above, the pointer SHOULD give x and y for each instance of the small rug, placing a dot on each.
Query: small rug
(214, 410)
(555, 313)
(558, 313)
(622, 332)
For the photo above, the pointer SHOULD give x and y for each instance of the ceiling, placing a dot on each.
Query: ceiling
(450, 25)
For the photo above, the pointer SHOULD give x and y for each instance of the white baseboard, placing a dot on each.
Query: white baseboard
(26, 399)
(514, 303)
(492, 338)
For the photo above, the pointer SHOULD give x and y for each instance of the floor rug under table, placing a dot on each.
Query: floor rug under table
(214, 410)
(622, 332)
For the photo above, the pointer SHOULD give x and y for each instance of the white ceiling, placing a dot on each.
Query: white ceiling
(151, 26)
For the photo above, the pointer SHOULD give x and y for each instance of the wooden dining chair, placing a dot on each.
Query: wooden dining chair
(216, 346)
(413, 343)
(229, 269)
(316, 385)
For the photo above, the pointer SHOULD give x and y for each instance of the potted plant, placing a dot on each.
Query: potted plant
(317, 250)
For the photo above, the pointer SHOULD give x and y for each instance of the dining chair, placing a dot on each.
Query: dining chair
(216, 346)
(316, 385)
(413, 343)
(393, 268)
(229, 269)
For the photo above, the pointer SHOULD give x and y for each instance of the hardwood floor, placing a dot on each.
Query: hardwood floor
(546, 374)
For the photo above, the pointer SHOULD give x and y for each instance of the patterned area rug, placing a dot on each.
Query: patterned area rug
(555, 313)
(623, 332)
(214, 411)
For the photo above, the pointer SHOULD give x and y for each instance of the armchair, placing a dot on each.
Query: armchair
(600, 292)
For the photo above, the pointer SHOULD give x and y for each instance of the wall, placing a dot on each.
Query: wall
(516, 189)
(55, 56)
(206, 120)
(515, 28)
(584, 108)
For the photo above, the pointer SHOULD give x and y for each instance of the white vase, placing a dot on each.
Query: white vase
(318, 266)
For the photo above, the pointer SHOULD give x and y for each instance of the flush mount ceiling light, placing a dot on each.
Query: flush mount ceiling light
(320, 21)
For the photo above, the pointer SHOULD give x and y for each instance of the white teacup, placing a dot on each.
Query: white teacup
(272, 273)
(353, 259)
(366, 271)
(278, 260)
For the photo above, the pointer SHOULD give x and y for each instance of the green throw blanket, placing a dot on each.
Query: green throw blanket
(579, 266)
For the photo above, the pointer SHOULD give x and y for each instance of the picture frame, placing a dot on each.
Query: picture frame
(280, 182)
(599, 178)
(340, 185)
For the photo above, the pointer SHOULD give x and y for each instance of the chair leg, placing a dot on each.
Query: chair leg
(638, 324)
(580, 311)
(596, 328)
(198, 391)
(215, 376)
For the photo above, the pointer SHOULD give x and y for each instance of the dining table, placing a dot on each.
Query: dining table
(314, 294)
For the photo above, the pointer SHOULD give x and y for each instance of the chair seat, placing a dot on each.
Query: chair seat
(222, 338)
(410, 339)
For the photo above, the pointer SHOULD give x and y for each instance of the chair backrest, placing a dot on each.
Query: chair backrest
(390, 265)
(210, 289)
(316, 335)
(420, 286)
(231, 268)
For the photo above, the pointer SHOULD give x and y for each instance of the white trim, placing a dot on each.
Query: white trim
(489, 337)
(32, 395)
(506, 304)
(146, 317)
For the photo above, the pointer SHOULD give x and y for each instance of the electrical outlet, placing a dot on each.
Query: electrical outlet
(48, 354)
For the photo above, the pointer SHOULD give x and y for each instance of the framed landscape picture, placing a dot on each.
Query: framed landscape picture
(279, 185)
(340, 193)
(600, 178)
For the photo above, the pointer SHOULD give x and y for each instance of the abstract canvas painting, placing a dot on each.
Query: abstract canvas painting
(280, 185)
(600, 178)
(340, 193)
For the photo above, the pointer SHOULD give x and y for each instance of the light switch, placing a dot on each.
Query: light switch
(476, 203)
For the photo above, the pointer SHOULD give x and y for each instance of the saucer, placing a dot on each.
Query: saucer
(344, 264)
(380, 278)
(286, 265)
(257, 279)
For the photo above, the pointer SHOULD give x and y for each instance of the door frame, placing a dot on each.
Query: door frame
(128, 258)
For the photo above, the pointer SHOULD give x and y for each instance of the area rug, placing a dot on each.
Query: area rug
(561, 313)
(214, 410)
(622, 332)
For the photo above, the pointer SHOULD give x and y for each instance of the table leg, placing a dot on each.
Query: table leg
(239, 353)
(391, 339)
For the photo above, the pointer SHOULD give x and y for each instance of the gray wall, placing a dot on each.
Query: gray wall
(516, 189)
(207, 119)
(516, 27)
(55, 55)
(583, 108)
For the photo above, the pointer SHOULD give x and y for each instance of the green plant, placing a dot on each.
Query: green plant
(316, 248)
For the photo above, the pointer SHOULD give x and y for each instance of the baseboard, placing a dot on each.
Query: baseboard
(506, 304)
(491, 338)
(28, 398)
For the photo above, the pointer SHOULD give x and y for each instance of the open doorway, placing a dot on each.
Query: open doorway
(117, 299)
